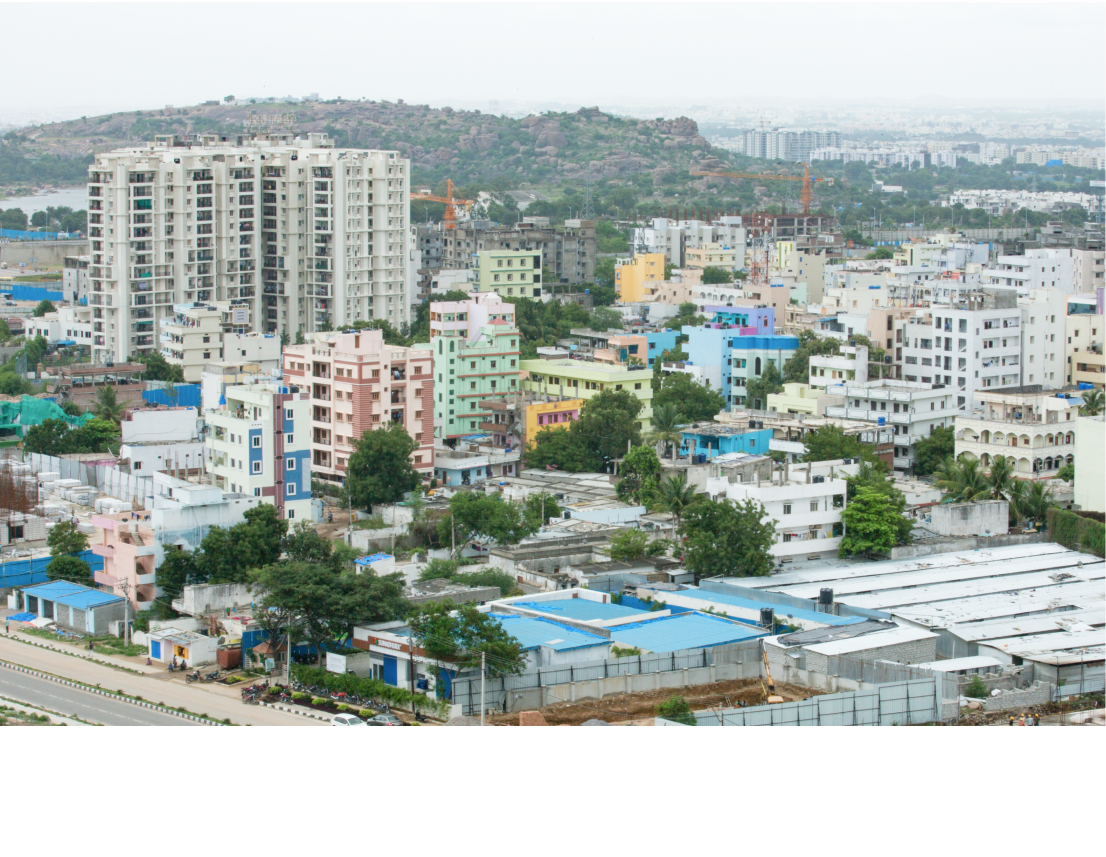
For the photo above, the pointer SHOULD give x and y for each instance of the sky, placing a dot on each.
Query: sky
(91, 58)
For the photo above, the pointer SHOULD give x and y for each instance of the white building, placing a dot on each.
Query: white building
(972, 345)
(74, 277)
(912, 409)
(68, 325)
(1041, 268)
(805, 502)
(674, 237)
(1043, 347)
(851, 365)
(305, 235)
(163, 440)
(1034, 427)
(261, 446)
(1090, 463)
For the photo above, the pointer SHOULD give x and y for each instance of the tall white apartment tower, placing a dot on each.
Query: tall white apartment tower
(296, 234)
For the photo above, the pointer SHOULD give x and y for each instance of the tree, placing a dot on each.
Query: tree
(728, 538)
(50, 437)
(797, 367)
(537, 509)
(1036, 503)
(304, 544)
(71, 568)
(713, 276)
(873, 476)
(65, 538)
(829, 443)
(757, 390)
(455, 638)
(961, 481)
(604, 318)
(881, 253)
(629, 545)
(607, 425)
(107, 405)
(72, 409)
(666, 427)
(95, 435)
(44, 306)
(380, 470)
(485, 516)
(5, 331)
(870, 524)
(228, 555)
(638, 475)
(177, 570)
(158, 368)
(929, 452)
(1000, 477)
(677, 710)
(693, 401)
(1092, 403)
(676, 494)
(560, 449)
(1067, 473)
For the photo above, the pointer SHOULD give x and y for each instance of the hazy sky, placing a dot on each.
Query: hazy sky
(96, 57)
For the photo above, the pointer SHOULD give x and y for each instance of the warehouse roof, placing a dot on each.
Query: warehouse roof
(682, 631)
(893, 637)
(580, 609)
(977, 662)
(781, 611)
(71, 594)
(815, 636)
(534, 632)
(1063, 620)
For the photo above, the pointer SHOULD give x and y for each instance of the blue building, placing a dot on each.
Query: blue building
(682, 631)
(749, 357)
(710, 441)
(549, 644)
(660, 341)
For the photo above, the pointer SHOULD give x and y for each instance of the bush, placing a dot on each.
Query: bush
(1076, 532)
(977, 688)
(318, 700)
(366, 713)
(298, 695)
(366, 688)
(676, 709)
(343, 707)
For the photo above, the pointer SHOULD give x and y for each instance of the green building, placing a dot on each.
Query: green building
(509, 273)
(476, 358)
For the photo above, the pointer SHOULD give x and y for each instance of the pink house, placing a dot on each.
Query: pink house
(128, 548)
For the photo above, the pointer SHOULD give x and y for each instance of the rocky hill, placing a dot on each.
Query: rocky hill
(469, 147)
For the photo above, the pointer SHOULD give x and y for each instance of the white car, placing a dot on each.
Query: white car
(347, 720)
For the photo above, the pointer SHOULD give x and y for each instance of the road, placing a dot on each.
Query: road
(35, 691)
(216, 701)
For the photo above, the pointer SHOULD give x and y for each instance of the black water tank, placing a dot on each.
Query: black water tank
(767, 614)
(825, 596)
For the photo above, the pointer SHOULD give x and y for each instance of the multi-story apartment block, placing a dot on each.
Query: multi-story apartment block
(261, 446)
(913, 410)
(632, 275)
(1043, 337)
(849, 366)
(198, 334)
(69, 325)
(750, 356)
(299, 234)
(356, 383)
(475, 348)
(710, 256)
(804, 503)
(581, 379)
(74, 277)
(1030, 425)
(1037, 269)
(567, 251)
(974, 345)
(1084, 339)
(508, 273)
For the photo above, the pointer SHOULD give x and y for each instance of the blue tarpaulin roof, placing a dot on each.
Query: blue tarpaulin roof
(22, 617)
(683, 631)
(369, 560)
(580, 609)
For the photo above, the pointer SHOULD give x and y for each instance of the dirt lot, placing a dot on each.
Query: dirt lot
(637, 706)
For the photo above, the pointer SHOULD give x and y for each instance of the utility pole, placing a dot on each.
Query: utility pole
(126, 587)
(483, 658)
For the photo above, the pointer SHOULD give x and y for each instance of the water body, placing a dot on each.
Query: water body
(73, 197)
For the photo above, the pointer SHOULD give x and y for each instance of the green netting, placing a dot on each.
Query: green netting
(30, 411)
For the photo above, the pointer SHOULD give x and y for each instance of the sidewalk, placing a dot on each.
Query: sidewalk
(138, 664)
(158, 686)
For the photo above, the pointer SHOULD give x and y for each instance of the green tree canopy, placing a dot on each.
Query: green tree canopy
(604, 318)
(44, 306)
(455, 638)
(797, 366)
(65, 538)
(829, 443)
(677, 710)
(713, 276)
(633, 544)
(607, 425)
(930, 451)
(873, 476)
(728, 538)
(158, 368)
(961, 481)
(71, 568)
(380, 469)
(638, 474)
(107, 405)
(485, 517)
(871, 524)
(881, 253)
(693, 401)
(757, 390)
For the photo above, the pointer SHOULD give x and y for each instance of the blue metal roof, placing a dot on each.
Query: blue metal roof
(72, 594)
(369, 560)
(580, 609)
(533, 632)
(781, 611)
(682, 631)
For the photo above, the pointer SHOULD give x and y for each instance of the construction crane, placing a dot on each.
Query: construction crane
(806, 180)
(451, 203)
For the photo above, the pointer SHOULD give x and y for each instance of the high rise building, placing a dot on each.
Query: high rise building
(297, 234)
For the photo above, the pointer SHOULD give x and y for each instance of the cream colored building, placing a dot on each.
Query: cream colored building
(1033, 426)
(799, 398)
(710, 256)
(302, 234)
(1090, 463)
(198, 334)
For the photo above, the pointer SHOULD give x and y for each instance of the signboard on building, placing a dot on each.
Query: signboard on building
(335, 663)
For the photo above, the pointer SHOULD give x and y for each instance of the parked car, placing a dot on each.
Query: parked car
(347, 720)
(384, 720)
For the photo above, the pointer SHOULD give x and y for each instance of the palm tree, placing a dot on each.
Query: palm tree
(676, 495)
(1017, 496)
(961, 481)
(1092, 403)
(666, 427)
(1001, 477)
(1036, 504)
(107, 406)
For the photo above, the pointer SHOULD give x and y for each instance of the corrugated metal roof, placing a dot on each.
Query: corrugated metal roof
(88, 599)
(682, 631)
(893, 637)
(977, 662)
(781, 611)
(71, 594)
(533, 632)
(580, 609)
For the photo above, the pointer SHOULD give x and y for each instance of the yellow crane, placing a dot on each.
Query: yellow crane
(450, 219)
(806, 179)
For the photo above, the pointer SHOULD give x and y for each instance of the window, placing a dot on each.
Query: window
(787, 508)
(255, 467)
(255, 441)
(289, 439)
(814, 505)
(257, 492)
(287, 413)
(291, 464)
(291, 489)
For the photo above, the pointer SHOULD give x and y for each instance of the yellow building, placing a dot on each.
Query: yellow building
(630, 276)
(543, 415)
(802, 399)
(709, 256)
(584, 379)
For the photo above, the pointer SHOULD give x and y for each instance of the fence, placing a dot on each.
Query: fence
(24, 235)
(1078, 688)
(25, 572)
(498, 689)
(894, 704)
(187, 395)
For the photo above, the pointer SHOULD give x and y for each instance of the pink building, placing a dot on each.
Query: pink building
(128, 547)
(357, 383)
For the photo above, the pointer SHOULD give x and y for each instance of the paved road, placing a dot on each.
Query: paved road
(50, 695)
(217, 701)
